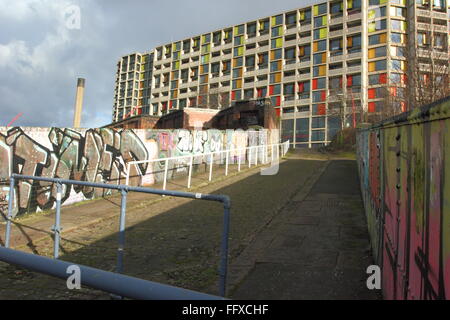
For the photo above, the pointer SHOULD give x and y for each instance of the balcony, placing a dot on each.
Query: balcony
(354, 55)
(249, 85)
(305, 40)
(264, 37)
(336, 20)
(251, 51)
(289, 78)
(302, 77)
(290, 67)
(423, 13)
(354, 69)
(305, 64)
(335, 72)
(336, 33)
(301, 102)
(356, 29)
(354, 17)
(290, 43)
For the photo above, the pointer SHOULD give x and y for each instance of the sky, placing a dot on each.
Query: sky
(45, 45)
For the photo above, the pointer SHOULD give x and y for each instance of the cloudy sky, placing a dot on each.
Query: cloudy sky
(43, 52)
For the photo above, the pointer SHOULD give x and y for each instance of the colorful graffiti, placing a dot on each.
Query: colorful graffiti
(102, 155)
(404, 166)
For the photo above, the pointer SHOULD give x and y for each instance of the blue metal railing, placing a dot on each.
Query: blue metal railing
(225, 200)
(115, 283)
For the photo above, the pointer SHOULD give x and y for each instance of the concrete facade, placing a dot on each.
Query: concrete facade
(315, 64)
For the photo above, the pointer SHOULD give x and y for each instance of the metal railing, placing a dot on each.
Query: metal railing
(225, 200)
(253, 154)
(115, 283)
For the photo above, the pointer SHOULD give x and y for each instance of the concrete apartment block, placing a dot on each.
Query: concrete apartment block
(314, 63)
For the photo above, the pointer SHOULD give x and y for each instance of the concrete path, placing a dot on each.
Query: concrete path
(316, 248)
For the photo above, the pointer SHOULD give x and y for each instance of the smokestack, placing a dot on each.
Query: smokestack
(78, 103)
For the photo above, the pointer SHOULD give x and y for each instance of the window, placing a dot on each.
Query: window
(319, 71)
(320, 33)
(277, 31)
(377, 52)
(304, 90)
(319, 96)
(301, 130)
(336, 44)
(377, 25)
(318, 122)
(320, 46)
(319, 83)
(377, 65)
(377, 13)
(380, 78)
(239, 29)
(377, 39)
(277, 20)
(320, 58)
(320, 9)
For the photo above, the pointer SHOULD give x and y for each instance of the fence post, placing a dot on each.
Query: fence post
(57, 227)
(227, 155)
(224, 251)
(10, 211)
(210, 166)
(165, 173)
(239, 159)
(190, 171)
(249, 157)
(128, 174)
(123, 208)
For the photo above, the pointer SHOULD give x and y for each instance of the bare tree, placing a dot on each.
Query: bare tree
(425, 77)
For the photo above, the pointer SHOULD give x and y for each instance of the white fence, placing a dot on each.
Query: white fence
(251, 153)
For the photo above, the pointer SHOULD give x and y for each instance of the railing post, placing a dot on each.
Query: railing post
(57, 227)
(211, 165)
(239, 159)
(190, 171)
(165, 174)
(227, 155)
(249, 157)
(123, 208)
(10, 211)
(127, 180)
(224, 250)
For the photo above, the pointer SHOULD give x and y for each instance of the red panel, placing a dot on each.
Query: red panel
(372, 93)
(372, 107)
(383, 78)
(271, 88)
(301, 87)
(324, 95)
(278, 111)
(314, 84)
(233, 95)
(278, 101)
(321, 109)
(349, 81)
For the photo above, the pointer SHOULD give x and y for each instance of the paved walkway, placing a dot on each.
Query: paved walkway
(316, 248)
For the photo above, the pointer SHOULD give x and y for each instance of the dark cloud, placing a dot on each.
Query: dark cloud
(40, 58)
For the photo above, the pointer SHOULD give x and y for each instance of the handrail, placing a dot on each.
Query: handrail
(240, 151)
(224, 199)
(115, 283)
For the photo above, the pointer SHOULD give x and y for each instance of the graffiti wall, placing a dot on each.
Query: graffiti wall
(404, 166)
(102, 155)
